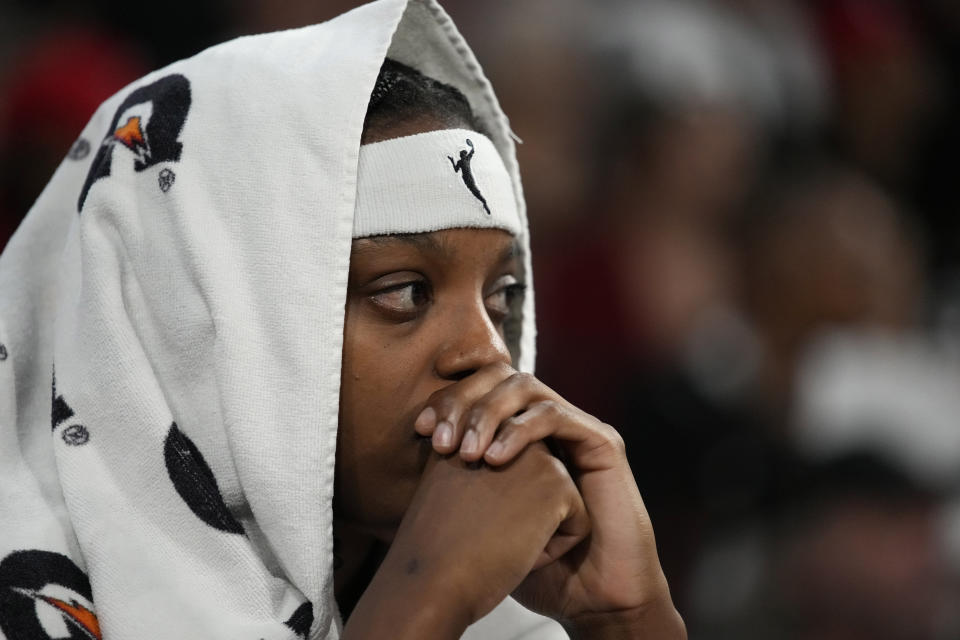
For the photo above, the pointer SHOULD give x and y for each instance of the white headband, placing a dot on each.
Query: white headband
(444, 179)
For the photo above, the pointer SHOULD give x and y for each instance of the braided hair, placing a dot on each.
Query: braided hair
(404, 101)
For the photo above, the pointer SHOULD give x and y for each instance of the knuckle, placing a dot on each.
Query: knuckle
(557, 468)
(498, 369)
(510, 433)
(552, 470)
(521, 379)
(551, 408)
(510, 425)
(446, 403)
(613, 441)
(503, 366)
(617, 442)
(474, 417)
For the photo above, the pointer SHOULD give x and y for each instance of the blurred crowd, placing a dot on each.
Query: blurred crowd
(746, 257)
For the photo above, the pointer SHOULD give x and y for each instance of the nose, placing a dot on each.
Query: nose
(472, 341)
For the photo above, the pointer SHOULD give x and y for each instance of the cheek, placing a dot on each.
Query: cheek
(385, 364)
(378, 378)
(379, 459)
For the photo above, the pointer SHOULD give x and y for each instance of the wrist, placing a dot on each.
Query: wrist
(657, 621)
(402, 602)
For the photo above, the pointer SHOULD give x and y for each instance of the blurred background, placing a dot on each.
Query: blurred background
(746, 247)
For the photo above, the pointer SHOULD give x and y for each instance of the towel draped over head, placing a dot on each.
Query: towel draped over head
(171, 322)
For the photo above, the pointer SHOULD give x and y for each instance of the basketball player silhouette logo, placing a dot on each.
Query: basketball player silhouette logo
(463, 168)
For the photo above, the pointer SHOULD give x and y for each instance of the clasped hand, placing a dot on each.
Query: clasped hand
(571, 541)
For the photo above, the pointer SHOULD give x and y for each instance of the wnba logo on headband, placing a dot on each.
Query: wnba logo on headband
(148, 124)
(463, 167)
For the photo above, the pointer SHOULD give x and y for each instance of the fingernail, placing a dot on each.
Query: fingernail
(495, 449)
(470, 442)
(443, 436)
(426, 420)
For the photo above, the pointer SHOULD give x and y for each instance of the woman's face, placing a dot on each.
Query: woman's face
(423, 311)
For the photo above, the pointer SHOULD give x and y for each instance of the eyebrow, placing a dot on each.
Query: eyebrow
(421, 241)
(428, 242)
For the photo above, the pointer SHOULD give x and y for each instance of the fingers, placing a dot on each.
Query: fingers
(536, 423)
(512, 396)
(442, 417)
(590, 444)
(571, 532)
(495, 413)
(558, 488)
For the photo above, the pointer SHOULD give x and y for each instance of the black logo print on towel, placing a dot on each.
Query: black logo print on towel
(463, 167)
(301, 620)
(151, 135)
(194, 481)
(75, 434)
(34, 581)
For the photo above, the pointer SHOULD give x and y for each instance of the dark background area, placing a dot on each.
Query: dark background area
(746, 238)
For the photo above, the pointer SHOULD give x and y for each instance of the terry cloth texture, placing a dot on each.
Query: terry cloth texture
(430, 181)
(171, 315)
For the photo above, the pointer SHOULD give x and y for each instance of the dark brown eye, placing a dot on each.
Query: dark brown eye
(501, 300)
(407, 298)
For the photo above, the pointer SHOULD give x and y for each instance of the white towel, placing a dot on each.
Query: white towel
(171, 315)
